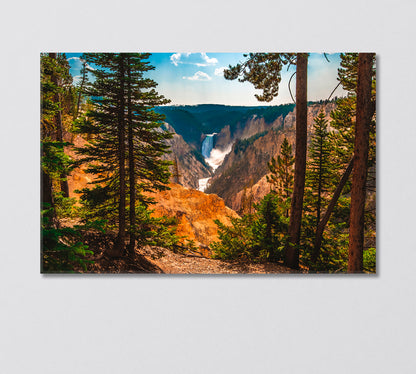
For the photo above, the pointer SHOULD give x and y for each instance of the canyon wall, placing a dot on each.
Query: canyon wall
(245, 167)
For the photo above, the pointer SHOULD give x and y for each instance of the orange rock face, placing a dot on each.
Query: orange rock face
(79, 178)
(195, 212)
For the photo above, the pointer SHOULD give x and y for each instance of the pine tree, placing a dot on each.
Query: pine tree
(319, 173)
(319, 182)
(62, 247)
(292, 249)
(281, 169)
(147, 172)
(55, 90)
(126, 143)
(263, 71)
(343, 121)
(58, 75)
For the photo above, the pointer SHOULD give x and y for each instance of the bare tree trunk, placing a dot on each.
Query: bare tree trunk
(359, 176)
(58, 124)
(119, 244)
(176, 174)
(292, 250)
(321, 225)
(84, 76)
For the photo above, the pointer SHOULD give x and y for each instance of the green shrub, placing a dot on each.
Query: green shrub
(62, 248)
(149, 230)
(255, 237)
(369, 259)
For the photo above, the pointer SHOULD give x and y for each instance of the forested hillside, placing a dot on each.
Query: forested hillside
(193, 121)
(282, 188)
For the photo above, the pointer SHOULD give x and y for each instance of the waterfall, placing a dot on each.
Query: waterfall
(207, 145)
(203, 183)
(213, 156)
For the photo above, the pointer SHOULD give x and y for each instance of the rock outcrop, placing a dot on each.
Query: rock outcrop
(195, 212)
(79, 178)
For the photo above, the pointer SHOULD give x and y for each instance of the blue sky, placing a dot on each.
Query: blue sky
(196, 78)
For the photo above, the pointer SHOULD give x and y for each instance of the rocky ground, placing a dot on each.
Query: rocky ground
(163, 261)
(176, 263)
(151, 259)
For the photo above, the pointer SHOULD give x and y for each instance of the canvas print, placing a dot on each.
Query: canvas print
(208, 163)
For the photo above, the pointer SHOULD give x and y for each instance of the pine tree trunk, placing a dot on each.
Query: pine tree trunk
(58, 124)
(359, 175)
(292, 251)
(119, 244)
(64, 179)
(47, 196)
(322, 224)
(132, 171)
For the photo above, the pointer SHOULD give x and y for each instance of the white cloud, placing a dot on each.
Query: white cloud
(74, 58)
(175, 58)
(209, 61)
(199, 76)
(220, 71)
(198, 59)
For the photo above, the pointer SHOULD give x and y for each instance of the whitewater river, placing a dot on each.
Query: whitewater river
(213, 156)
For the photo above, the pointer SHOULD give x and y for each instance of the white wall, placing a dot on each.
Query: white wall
(216, 324)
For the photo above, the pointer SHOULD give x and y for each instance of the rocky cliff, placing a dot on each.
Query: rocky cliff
(78, 178)
(244, 130)
(245, 167)
(191, 164)
(195, 212)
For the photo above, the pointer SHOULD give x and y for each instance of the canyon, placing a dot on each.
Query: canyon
(220, 154)
(237, 149)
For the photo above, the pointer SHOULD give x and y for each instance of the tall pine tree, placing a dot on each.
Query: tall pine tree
(343, 138)
(360, 163)
(62, 247)
(55, 91)
(319, 181)
(319, 174)
(263, 71)
(126, 145)
(147, 172)
(281, 176)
